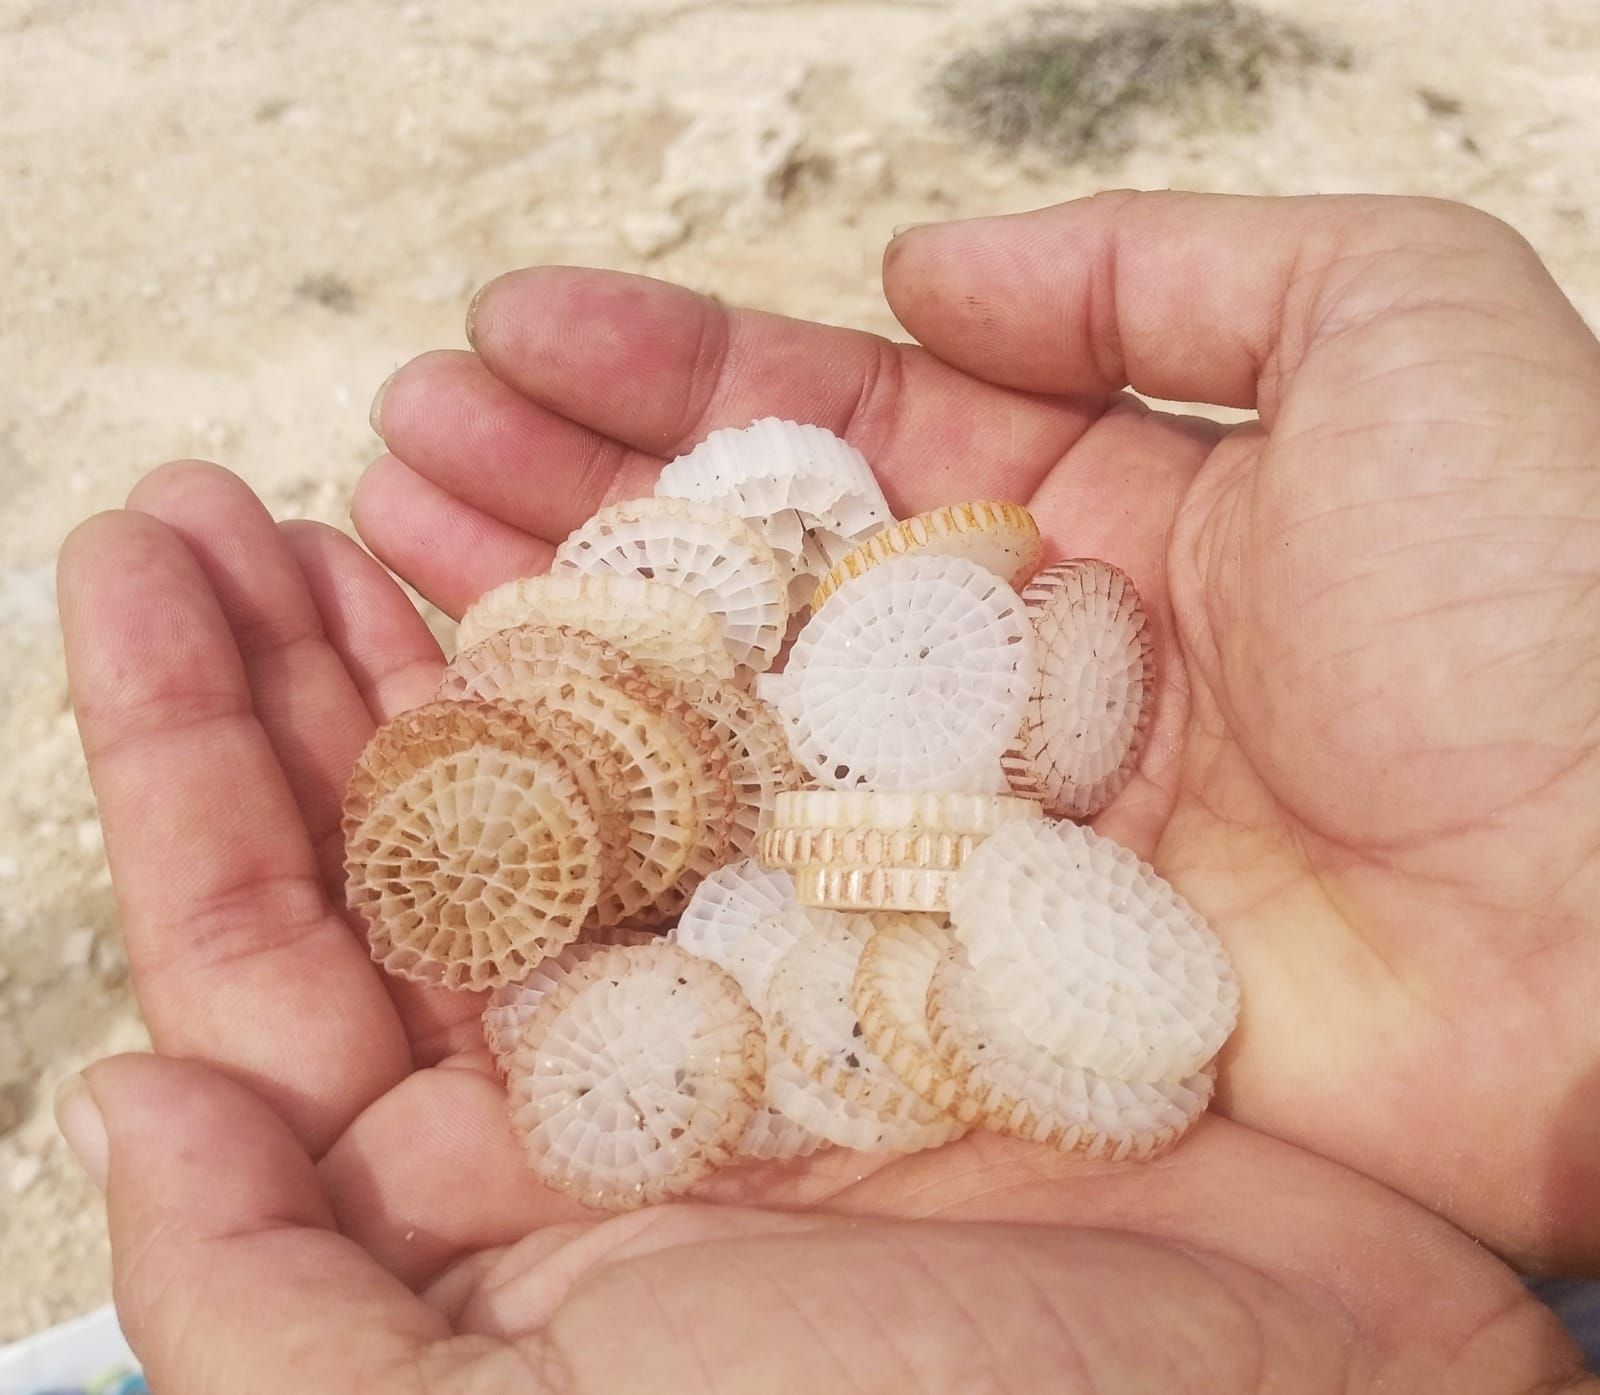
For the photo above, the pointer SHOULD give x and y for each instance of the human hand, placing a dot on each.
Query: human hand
(1376, 758)
(219, 778)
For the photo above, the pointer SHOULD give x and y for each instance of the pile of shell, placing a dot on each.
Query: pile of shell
(729, 912)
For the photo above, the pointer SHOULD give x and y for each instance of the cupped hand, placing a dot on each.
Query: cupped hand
(1374, 767)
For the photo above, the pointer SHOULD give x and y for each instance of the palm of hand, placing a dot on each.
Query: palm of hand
(1396, 867)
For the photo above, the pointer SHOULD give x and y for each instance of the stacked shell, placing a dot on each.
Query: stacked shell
(737, 903)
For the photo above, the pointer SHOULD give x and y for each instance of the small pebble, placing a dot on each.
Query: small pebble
(24, 1173)
(77, 949)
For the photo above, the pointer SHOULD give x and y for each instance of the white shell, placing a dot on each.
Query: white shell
(1022, 1090)
(912, 677)
(726, 906)
(811, 494)
(1096, 958)
(706, 551)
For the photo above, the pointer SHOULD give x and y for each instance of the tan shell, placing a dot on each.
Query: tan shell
(998, 536)
(759, 762)
(1085, 721)
(938, 812)
(866, 847)
(470, 851)
(652, 621)
(890, 996)
(847, 888)
(675, 784)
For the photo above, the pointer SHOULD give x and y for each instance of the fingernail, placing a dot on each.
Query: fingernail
(472, 313)
(902, 228)
(78, 1118)
(375, 416)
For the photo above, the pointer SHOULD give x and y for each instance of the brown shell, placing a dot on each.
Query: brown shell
(470, 850)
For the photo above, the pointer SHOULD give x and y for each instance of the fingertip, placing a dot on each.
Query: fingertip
(83, 1127)
(417, 390)
(366, 499)
(177, 478)
(120, 571)
(375, 411)
(82, 544)
(475, 306)
(183, 1137)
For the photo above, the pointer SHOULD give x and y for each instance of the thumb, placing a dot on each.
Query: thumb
(229, 1273)
(1195, 297)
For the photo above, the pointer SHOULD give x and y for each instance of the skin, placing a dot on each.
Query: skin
(1375, 768)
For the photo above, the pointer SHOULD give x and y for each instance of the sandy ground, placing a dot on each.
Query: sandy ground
(224, 225)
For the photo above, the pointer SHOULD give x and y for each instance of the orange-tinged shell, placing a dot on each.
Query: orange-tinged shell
(1086, 718)
(1000, 537)
(675, 783)
(470, 850)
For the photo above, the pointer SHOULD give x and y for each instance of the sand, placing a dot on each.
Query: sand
(224, 225)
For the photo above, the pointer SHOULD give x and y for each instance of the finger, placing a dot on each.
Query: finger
(656, 367)
(229, 1271)
(1195, 297)
(455, 423)
(450, 550)
(395, 663)
(302, 694)
(432, 1172)
(235, 950)
(385, 646)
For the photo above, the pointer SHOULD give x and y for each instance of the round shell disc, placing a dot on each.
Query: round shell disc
(890, 997)
(820, 1112)
(597, 767)
(707, 551)
(1096, 958)
(636, 1076)
(720, 924)
(1020, 1090)
(650, 620)
(610, 695)
(726, 906)
(912, 677)
(811, 1016)
(810, 494)
(755, 958)
(999, 537)
(772, 1136)
(1086, 718)
(759, 762)
(512, 1004)
(470, 851)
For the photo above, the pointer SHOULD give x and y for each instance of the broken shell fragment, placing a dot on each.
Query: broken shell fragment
(812, 495)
